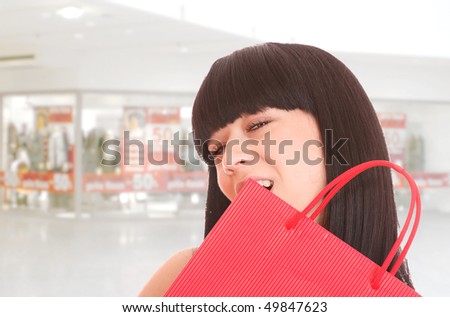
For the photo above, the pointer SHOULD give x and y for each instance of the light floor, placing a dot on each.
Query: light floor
(42, 256)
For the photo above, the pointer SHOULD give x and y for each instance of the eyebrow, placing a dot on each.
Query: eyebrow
(243, 116)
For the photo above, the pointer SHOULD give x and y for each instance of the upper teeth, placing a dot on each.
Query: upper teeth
(265, 182)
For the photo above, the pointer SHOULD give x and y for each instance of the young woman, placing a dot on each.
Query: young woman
(319, 122)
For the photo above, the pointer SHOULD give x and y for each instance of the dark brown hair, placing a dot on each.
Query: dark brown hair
(294, 76)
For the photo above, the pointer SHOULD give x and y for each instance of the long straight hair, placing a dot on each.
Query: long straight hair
(294, 76)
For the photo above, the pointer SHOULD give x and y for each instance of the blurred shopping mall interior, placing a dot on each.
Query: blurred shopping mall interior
(76, 73)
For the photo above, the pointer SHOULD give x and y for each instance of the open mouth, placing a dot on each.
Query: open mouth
(266, 183)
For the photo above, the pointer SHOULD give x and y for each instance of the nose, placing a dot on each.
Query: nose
(235, 156)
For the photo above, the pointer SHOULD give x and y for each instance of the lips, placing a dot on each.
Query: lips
(263, 181)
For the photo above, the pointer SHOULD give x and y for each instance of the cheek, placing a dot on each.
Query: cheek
(303, 182)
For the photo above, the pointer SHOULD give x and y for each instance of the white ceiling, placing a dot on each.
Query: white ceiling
(394, 27)
(169, 48)
(411, 28)
(33, 27)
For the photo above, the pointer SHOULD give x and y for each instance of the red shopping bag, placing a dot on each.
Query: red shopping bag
(262, 246)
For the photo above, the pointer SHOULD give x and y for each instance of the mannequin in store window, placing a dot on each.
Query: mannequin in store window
(58, 149)
(93, 154)
(38, 142)
(19, 167)
(108, 169)
(294, 92)
(37, 147)
(13, 140)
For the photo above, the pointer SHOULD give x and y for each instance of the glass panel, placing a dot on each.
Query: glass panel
(414, 132)
(131, 162)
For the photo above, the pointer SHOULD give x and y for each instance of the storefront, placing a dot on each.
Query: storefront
(415, 132)
(102, 153)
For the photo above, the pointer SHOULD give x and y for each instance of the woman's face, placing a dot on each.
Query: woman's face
(282, 149)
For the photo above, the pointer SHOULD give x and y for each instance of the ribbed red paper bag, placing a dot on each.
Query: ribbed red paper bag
(262, 246)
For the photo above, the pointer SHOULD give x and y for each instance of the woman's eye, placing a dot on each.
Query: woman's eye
(257, 125)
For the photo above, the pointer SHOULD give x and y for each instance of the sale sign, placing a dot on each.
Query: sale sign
(42, 181)
(60, 114)
(394, 129)
(2, 178)
(156, 181)
(162, 124)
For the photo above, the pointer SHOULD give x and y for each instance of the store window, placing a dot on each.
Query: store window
(136, 155)
(415, 134)
(129, 163)
(38, 152)
(156, 171)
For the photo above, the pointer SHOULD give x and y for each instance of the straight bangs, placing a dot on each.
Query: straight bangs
(246, 82)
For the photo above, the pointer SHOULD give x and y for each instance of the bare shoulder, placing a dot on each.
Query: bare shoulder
(161, 280)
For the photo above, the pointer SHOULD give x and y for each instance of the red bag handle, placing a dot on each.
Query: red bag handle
(335, 185)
